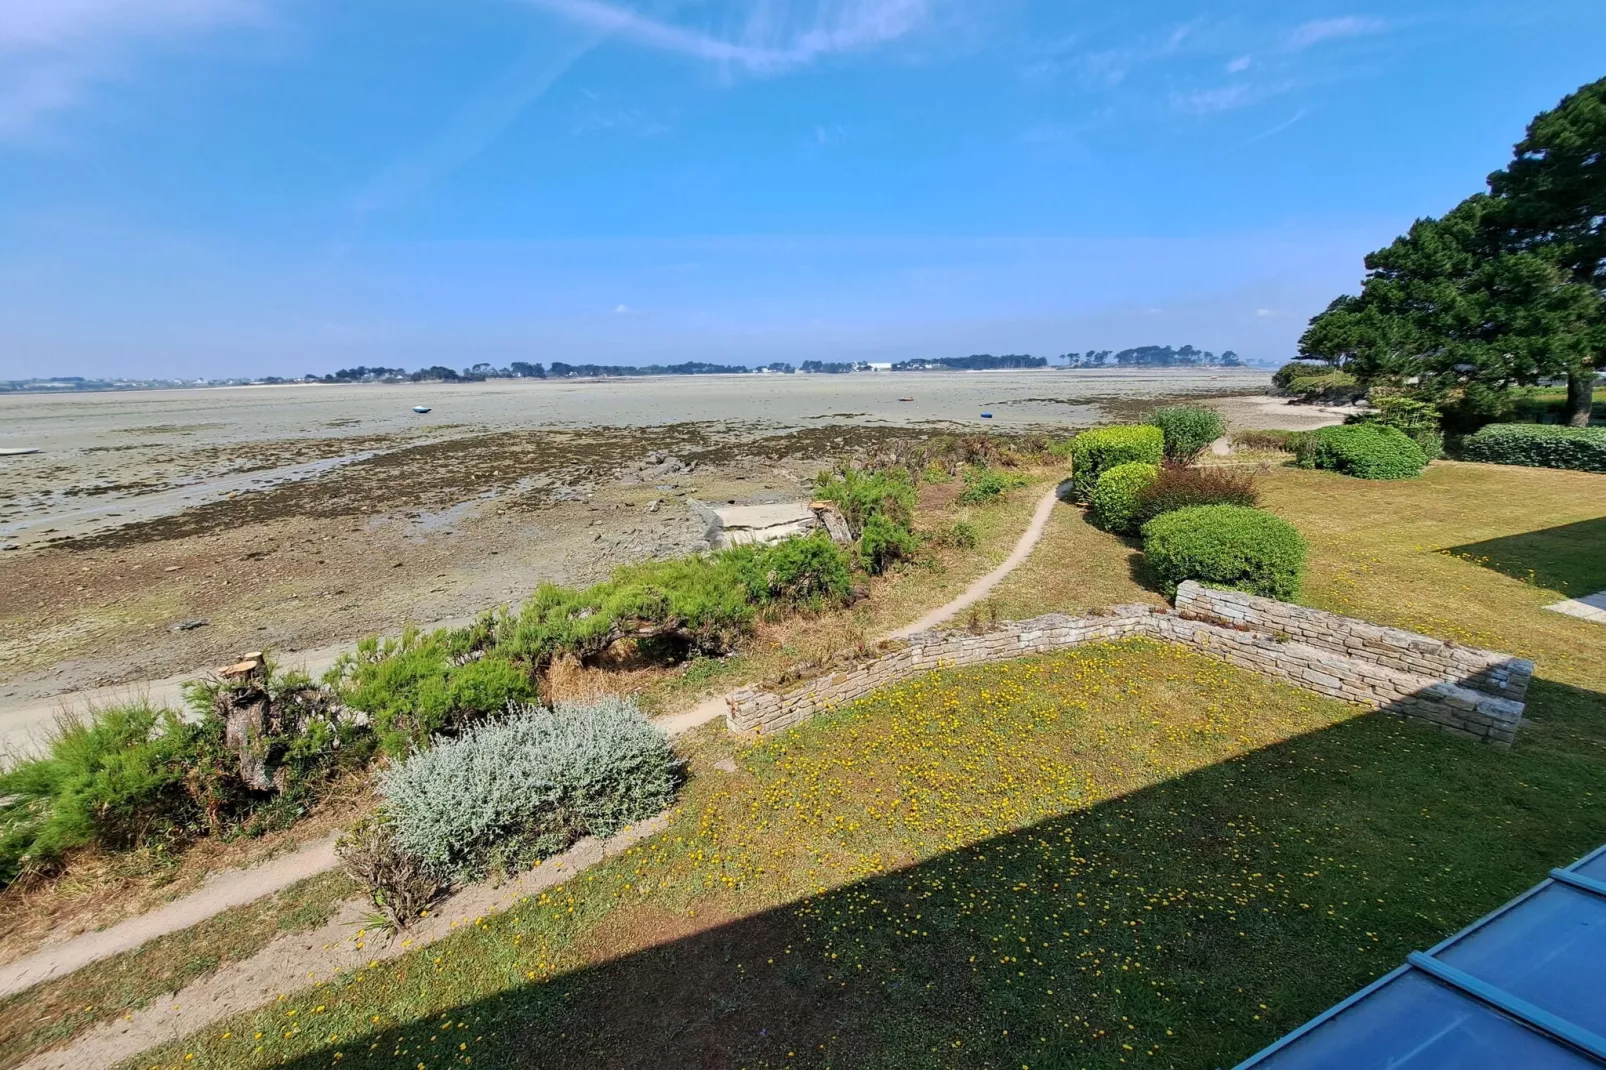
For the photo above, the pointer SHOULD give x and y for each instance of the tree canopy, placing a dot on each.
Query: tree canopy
(1507, 288)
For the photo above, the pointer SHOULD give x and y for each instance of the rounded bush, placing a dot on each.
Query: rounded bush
(507, 792)
(1115, 495)
(1226, 546)
(1188, 429)
(1092, 452)
(1539, 446)
(1367, 451)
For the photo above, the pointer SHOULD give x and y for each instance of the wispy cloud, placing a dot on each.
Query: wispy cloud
(1279, 128)
(1109, 67)
(53, 51)
(476, 126)
(1238, 65)
(1211, 101)
(777, 34)
(1314, 33)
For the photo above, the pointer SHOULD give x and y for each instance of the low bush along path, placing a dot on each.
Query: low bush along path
(288, 960)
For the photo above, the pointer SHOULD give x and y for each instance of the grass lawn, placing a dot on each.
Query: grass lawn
(47, 1014)
(1123, 855)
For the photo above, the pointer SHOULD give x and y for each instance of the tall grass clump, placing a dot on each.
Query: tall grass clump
(1188, 429)
(1268, 439)
(983, 485)
(507, 792)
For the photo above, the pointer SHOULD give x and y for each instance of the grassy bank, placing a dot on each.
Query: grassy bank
(1117, 855)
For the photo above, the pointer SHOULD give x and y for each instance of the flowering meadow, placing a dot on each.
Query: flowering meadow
(1122, 855)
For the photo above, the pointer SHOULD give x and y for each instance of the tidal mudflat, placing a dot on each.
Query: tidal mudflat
(293, 517)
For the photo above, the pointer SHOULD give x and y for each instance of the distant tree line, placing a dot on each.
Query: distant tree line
(974, 362)
(826, 367)
(1153, 357)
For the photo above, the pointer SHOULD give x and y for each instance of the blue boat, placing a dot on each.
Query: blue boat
(420, 409)
(986, 416)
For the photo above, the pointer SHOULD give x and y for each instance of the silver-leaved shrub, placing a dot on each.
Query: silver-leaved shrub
(507, 792)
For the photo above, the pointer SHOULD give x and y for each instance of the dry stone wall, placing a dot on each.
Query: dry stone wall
(1391, 648)
(1462, 690)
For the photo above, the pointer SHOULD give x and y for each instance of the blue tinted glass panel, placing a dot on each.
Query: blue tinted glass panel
(1595, 867)
(1416, 1023)
(1550, 950)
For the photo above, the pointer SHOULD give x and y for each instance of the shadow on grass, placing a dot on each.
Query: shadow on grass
(1569, 559)
(1187, 924)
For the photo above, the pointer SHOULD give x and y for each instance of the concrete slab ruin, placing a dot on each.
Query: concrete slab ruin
(740, 525)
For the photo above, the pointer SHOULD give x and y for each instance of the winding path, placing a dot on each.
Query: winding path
(232, 888)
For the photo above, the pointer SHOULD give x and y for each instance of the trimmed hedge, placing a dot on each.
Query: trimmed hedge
(1226, 546)
(1115, 496)
(1539, 446)
(1093, 452)
(1367, 451)
(505, 793)
(1188, 429)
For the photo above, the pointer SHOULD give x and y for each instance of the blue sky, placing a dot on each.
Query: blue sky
(192, 187)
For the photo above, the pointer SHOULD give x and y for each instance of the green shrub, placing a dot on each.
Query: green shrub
(1367, 451)
(1329, 386)
(861, 494)
(1417, 420)
(811, 571)
(1297, 369)
(988, 484)
(883, 543)
(1539, 446)
(1105, 447)
(1188, 429)
(507, 792)
(964, 535)
(418, 686)
(1115, 496)
(1268, 439)
(115, 778)
(1225, 546)
(1178, 488)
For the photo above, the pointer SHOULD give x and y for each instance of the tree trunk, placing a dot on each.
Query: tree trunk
(1580, 397)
